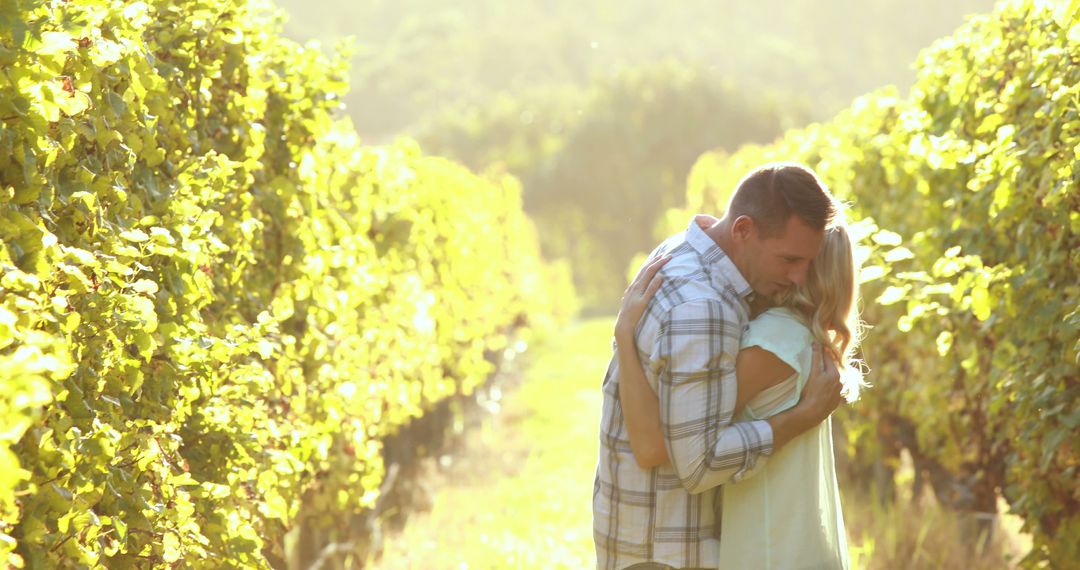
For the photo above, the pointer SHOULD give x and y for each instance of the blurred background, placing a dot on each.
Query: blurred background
(600, 107)
(272, 292)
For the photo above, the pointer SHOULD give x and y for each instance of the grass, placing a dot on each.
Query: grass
(916, 532)
(520, 494)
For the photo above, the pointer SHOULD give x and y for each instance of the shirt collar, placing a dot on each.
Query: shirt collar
(722, 271)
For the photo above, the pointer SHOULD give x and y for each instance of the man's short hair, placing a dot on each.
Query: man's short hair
(771, 193)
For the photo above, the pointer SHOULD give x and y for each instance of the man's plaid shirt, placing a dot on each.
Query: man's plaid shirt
(687, 341)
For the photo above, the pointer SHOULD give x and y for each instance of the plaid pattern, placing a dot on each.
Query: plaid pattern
(687, 340)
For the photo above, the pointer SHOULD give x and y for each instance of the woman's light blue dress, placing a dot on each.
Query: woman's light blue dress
(787, 516)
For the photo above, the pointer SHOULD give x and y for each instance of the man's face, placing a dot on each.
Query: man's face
(775, 264)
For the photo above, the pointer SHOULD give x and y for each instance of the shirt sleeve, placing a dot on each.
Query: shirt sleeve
(784, 337)
(695, 354)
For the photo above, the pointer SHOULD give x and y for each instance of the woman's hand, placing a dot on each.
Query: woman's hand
(705, 221)
(640, 406)
(637, 297)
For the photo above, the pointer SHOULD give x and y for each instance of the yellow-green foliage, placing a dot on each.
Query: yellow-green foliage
(973, 287)
(213, 299)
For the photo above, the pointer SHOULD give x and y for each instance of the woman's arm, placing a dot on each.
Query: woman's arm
(640, 406)
(755, 370)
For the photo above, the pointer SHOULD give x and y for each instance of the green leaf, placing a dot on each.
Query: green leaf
(1066, 14)
(71, 322)
(871, 273)
(121, 528)
(898, 254)
(74, 103)
(77, 280)
(145, 286)
(980, 302)
(56, 42)
(146, 345)
(7, 327)
(886, 237)
(944, 342)
(135, 235)
(87, 199)
(892, 295)
(990, 124)
(171, 548)
(143, 310)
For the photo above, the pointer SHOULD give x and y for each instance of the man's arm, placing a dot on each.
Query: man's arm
(696, 348)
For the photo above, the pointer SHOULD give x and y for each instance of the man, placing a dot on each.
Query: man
(649, 518)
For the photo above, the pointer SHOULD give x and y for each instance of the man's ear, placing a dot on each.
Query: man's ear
(743, 228)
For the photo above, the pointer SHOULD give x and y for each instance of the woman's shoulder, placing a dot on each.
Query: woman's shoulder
(779, 324)
(779, 316)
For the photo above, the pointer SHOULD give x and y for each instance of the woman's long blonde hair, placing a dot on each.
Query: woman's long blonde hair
(827, 303)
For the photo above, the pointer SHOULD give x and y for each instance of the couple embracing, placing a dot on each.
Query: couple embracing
(734, 344)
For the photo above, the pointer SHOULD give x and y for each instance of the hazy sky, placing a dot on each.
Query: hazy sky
(416, 56)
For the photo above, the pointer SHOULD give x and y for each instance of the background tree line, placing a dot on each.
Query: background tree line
(600, 107)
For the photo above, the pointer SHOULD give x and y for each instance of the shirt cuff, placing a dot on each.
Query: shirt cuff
(758, 438)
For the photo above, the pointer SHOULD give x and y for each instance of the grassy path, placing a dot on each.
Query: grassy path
(521, 495)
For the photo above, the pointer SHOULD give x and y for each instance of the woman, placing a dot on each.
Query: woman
(788, 515)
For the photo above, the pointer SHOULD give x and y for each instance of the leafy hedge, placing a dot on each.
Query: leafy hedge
(973, 284)
(213, 299)
(622, 146)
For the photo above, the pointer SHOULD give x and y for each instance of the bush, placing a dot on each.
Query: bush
(213, 299)
(972, 284)
(600, 165)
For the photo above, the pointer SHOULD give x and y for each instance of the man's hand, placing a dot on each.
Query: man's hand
(819, 398)
(821, 395)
